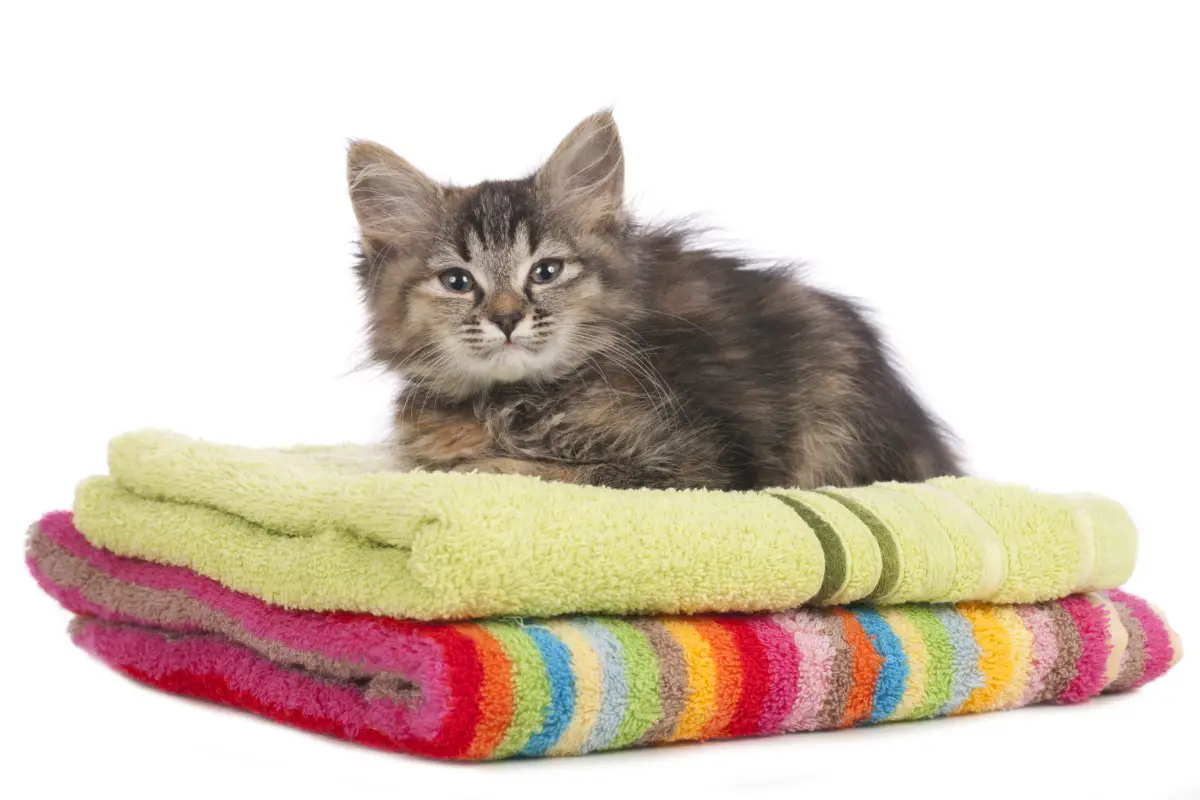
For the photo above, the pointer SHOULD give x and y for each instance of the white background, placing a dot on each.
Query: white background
(1013, 187)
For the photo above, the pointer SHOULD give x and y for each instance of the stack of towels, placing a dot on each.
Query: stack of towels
(476, 617)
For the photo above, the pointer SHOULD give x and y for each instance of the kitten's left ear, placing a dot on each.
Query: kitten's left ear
(585, 177)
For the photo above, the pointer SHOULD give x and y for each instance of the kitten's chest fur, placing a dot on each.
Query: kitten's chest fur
(606, 424)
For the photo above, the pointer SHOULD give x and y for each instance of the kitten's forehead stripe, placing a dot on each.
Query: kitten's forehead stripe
(462, 245)
(520, 239)
(497, 213)
(473, 241)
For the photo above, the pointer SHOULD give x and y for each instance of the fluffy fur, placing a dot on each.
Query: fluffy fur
(542, 331)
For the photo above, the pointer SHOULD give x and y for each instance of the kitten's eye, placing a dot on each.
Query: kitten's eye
(546, 270)
(457, 280)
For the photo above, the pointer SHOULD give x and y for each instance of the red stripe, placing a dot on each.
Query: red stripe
(464, 676)
(756, 676)
(207, 686)
(780, 648)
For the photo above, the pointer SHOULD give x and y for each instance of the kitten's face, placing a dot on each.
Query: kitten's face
(498, 283)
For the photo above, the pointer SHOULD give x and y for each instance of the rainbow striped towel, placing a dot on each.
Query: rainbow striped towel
(573, 685)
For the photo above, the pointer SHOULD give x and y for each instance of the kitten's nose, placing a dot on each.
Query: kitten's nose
(507, 321)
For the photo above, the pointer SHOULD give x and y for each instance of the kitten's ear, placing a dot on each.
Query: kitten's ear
(392, 198)
(586, 175)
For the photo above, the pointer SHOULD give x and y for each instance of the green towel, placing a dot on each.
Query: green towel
(333, 528)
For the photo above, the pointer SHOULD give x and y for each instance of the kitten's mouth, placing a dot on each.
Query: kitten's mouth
(511, 347)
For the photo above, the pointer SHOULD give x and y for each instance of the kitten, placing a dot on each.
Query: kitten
(541, 331)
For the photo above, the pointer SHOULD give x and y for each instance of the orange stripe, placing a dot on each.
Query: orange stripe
(495, 695)
(729, 676)
(701, 679)
(865, 670)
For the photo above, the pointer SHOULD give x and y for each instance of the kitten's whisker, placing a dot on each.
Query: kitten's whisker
(612, 390)
(572, 341)
(634, 357)
(431, 356)
(415, 359)
(425, 395)
(633, 366)
(683, 320)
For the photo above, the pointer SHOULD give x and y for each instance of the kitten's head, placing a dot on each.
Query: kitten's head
(501, 282)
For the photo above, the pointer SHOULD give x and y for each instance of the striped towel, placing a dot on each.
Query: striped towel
(572, 685)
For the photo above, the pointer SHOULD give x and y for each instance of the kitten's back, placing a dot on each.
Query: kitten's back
(797, 379)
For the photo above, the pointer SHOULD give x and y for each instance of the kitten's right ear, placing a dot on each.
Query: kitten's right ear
(392, 198)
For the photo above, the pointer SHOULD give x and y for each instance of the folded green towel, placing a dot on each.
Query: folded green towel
(333, 528)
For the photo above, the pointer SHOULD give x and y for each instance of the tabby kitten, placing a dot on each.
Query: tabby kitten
(541, 331)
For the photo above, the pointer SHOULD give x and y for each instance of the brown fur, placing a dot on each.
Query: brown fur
(643, 360)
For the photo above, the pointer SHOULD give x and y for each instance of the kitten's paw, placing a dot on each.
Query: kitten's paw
(517, 466)
(498, 466)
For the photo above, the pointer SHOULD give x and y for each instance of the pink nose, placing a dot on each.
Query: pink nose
(507, 321)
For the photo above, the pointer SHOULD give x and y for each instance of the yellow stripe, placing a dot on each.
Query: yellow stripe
(995, 657)
(1118, 637)
(1021, 654)
(918, 661)
(702, 680)
(585, 665)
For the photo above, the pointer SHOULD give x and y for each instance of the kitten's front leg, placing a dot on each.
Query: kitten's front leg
(438, 438)
(612, 475)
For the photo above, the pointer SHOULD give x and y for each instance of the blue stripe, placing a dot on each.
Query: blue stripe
(966, 675)
(557, 659)
(613, 690)
(893, 672)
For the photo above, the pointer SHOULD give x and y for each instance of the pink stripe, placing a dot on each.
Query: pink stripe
(814, 668)
(1045, 649)
(783, 660)
(1091, 670)
(1159, 651)
(341, 640)
(374, 642)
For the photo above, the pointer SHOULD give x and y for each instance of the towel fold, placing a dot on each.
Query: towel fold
(333, 528)
(496, 689)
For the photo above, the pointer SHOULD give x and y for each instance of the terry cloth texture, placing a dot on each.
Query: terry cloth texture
(498, 689)
(333, 529)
